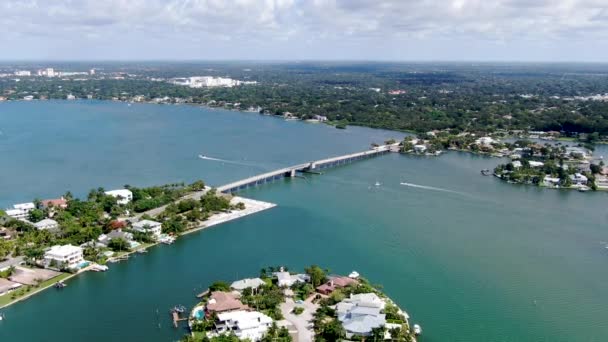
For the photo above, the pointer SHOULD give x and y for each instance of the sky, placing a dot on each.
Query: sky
(396, 30)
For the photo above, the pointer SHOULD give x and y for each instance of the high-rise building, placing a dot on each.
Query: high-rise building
(92, 72)
(50, 72)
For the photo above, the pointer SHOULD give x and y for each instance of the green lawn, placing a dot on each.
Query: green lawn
(22, 291)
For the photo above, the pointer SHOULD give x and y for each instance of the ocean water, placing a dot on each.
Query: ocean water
(470, 258)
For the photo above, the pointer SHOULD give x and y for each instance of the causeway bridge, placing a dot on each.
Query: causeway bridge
(304, 167)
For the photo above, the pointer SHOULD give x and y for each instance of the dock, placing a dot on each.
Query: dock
(177, 319)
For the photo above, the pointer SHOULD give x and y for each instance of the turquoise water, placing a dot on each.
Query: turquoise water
(470, 258)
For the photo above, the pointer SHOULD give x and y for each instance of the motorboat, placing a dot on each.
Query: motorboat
(417, 329)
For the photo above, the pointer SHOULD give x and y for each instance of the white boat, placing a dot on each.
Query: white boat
(99, 268)
(377, 183)
(354, 275)
(417, 329)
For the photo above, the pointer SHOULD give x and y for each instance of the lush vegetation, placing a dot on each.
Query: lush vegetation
(416, 97)
(84, 220)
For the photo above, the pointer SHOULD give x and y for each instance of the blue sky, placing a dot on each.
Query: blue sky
(492, 30)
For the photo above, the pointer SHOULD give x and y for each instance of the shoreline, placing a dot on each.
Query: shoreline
(251, 207)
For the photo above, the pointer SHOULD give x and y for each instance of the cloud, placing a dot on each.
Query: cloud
(326, 25)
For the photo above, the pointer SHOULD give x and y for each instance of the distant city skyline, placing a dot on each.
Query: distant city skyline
(389, 30)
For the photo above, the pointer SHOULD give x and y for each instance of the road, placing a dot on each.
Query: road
(11, 262)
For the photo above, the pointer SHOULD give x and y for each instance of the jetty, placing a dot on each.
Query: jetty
(308, 167)
(177, 319)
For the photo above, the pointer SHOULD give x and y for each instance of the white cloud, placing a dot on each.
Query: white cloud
(326, 26)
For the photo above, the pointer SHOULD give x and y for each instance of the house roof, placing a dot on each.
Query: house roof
(55, 202)
(363, 325)
(145, 223)
(44, 223)
(248, 282)
(336, 282)
(245, 319)
(224, 301)
(64, 250)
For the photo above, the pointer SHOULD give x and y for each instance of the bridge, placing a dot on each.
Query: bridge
(305, 167)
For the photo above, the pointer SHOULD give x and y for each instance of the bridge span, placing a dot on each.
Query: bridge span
(304, 167)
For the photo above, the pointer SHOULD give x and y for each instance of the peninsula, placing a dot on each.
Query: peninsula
(280, 305)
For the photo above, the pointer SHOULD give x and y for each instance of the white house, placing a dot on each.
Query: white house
(516, 164)
(485, 141)
(124, 195)
(578, 179)
(20, 211)
(419, 148)
(551, 181)
(286, 279)
(242, 284)
(361, 313)
(46, 224)
(536, 163)
(146, 226)
(244, 324)
(67, 255)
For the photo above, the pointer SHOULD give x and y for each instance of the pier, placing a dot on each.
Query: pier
(311, 167)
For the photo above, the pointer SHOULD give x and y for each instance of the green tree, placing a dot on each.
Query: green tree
(118, 244)
(317, 275)
(36, 215)
(219, 286)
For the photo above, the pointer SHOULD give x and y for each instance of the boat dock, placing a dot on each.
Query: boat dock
(177, 319)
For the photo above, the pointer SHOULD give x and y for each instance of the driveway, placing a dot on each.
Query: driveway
(303, 321)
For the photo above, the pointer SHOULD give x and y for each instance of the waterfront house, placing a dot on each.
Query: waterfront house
(224, 302)
(46, 224)
(551, 181)
(148, 226)
(55, 203)
(7, 286)
(370, 300)
(244, 324)
(360, 314)
(115, 234)
(485, 141)
(20, 211)
(124, 195)
(516, 164)
(578, 179)
(419, 148)
(286, 279)
(63, 256)
(335, 283)
(601, 182)
(576, 152)
(242, 284)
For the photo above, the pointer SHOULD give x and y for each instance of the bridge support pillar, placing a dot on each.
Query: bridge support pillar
(292, 173)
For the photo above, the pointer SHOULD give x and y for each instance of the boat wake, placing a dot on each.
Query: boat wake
(227, 161)
(431, 188)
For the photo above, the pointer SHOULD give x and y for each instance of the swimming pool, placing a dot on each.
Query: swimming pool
(83, 264)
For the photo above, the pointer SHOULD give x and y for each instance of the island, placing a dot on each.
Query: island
(554, 166)
(280, 305)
